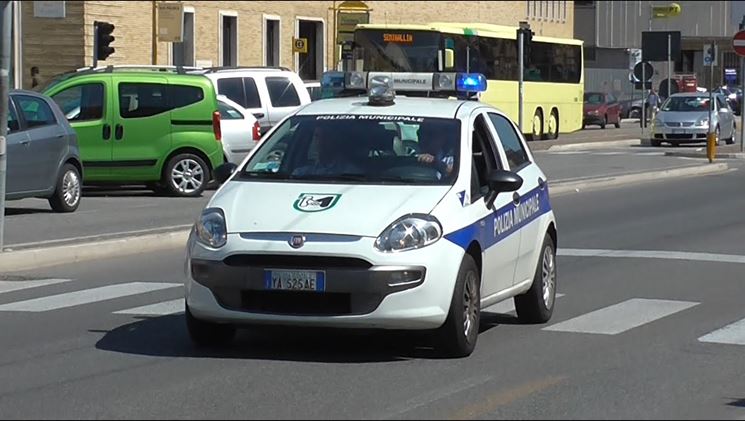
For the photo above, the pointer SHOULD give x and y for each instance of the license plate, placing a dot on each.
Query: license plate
(295, 280)
(678, 131)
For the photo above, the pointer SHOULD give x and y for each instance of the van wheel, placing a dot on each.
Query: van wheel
(186, 175)
(460, 332)
(66, 197)
(537, 304)
(205, 333)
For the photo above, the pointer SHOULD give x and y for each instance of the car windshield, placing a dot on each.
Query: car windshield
(370, 149)
(594, 98)
(686, 103)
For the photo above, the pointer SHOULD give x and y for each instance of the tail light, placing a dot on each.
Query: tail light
(216, 125)
(256, 131)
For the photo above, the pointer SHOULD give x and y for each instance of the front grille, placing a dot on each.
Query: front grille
(295, 261)
(679, 136)
(297, 303)
(672, 124)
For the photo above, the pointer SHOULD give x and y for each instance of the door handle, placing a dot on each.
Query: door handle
(259, 115)
(515, 198)
(106, 132)
(118, 132)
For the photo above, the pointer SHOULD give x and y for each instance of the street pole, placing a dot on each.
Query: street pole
(520, 77)
(5, 34)
(155, 34)
(644, 103)
(710, 140)
(95, 45)
(742, 114)
(669, 64)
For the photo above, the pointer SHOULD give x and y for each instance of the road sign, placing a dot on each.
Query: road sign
(299, 45)
(738, 42)
(710, 54)
(643, 69)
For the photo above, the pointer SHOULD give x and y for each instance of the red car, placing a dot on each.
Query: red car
(601, 109)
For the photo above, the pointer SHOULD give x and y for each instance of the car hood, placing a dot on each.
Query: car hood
(360, 210)
(682, 116)
(592, 107)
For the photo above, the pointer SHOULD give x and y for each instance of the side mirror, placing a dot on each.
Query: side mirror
(224, 172)
(449, 58)
(501, 181)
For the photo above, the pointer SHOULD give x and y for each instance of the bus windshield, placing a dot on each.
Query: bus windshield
(397, 51)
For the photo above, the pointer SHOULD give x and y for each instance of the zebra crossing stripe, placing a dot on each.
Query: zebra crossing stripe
(621, 317)
(158, 309)
(507, 306)
(8, 286)
(733, 334)
(86, 296)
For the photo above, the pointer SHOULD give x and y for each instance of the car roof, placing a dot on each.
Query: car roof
(403, 106)
(693, 94)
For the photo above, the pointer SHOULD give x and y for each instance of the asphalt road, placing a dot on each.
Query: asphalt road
(636, 334)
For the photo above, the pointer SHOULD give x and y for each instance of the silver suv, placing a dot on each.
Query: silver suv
(43, 156)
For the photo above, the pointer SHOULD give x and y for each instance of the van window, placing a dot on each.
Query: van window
(232, 88)
(282, 92)
(137, 100)
(81, 102)
(182, 95)
(36, 111)
(253, 100)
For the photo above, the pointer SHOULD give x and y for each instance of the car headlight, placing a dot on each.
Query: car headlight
(703, 122)
(408, 233)
(211, 229)
(658, 123)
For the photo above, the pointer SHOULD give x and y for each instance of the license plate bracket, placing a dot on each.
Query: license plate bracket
(295, 280)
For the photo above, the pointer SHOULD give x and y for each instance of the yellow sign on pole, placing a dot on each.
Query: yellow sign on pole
(170, 22)
(668, 11)
(299, 45)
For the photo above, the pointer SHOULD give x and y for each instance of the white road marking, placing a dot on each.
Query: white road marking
(507, 306)
(86, 296)
(158, 309)
(653, 254)
(621, 317)
(8, 286)
(733, 334)
(609, 153)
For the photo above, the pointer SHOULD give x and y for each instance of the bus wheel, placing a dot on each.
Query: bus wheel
(537, 131)
(553, 126)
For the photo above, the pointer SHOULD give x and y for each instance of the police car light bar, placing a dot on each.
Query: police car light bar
(359, 82)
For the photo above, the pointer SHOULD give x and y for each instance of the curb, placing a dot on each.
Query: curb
(595, 183)
(595, 145)
(30, 259)
(724, 155)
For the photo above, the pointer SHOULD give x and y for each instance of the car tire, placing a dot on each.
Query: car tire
(186, 175)
(204, 333)
(617, 124)
(460, 332)
(536, 134)
(68, 191)
(605, 121)
(553, 126)
(537, 304)
(731, 139)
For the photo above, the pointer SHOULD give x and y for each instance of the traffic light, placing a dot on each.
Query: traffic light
(527, 40)
(103, 39)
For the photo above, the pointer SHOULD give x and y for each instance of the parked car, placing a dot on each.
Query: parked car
(43, 157)
(143, 124)
(269, 93)
(601, 109)
(684, 118)
(631, 108)
(240, 130)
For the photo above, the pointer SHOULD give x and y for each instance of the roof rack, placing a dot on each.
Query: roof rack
(129, 67)
(238, 68)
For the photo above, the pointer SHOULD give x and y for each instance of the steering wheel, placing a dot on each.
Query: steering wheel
(418, 170)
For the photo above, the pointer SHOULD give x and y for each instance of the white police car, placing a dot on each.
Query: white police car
(378, 212)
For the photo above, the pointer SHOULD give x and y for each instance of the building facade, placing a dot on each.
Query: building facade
(58, 36)
(612, 30)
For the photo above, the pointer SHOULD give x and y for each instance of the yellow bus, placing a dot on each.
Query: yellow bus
(553, 77)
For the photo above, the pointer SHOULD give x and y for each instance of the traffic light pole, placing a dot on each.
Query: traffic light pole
(520, 77)
(5, 34)
(95, 45)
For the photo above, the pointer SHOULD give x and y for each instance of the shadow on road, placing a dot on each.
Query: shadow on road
(166, 336)
(9, 211)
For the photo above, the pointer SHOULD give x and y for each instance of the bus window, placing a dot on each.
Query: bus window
(398, 50)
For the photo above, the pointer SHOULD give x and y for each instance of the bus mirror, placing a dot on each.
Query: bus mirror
(449, 58)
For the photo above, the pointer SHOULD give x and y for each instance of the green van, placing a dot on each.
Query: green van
(135, 125)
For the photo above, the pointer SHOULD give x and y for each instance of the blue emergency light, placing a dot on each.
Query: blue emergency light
(470, 82)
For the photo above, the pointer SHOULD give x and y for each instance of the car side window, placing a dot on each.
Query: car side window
(282, 92)
(232, 88)
(228, 113)
(517, 156)
(182, 95)
(483, 159)
(13, 124)
(137, 100)
(36, 112)
(720, 104)
(253, 100)
(82, 102)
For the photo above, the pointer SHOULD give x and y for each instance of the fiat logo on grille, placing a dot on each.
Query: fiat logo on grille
(297, 241)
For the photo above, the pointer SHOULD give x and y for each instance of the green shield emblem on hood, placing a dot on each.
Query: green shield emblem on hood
(316, 202)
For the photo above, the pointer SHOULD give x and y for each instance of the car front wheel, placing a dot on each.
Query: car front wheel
(537, 304)
(66, 197)
(460, 332)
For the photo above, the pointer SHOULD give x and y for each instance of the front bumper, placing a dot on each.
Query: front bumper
(363, 287)
(691, 134)
(590, 119)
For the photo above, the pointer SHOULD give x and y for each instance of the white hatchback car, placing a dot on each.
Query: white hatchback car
(381, 212)
(240, 130)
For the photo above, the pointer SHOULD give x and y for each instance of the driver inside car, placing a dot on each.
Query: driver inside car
(333, 159)
(436, 149)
